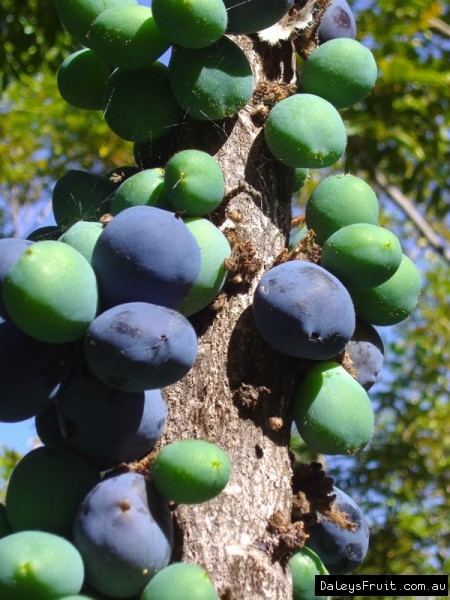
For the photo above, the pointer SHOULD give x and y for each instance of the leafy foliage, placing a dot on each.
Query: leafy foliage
(42, 137)
(8, 460)
(403, 477)
(401, 128)
(31, 35)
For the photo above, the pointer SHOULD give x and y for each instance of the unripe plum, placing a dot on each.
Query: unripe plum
(214, 250)
(194, 182)
(140, 106)
(191, 471)
(180, 580)
(127, 37)
(340, 200)
(45, 489)
(212, 83)
(332, 411)
(39, 565)
(83, 236)
(191, 23)
(342, 71)
(51, 293)
(80, 196)
(305, 131)
(11, 249)
(304, 567)
(82, 80)
(392, 301)
(251, 16)
(143, 188)
(362, 255)
(77, 16)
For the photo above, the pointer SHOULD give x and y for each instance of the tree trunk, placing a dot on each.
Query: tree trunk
(237, 395)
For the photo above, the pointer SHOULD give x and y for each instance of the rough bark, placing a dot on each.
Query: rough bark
(237, 395)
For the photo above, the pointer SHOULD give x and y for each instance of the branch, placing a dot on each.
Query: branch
(399, 198)
(440, 26)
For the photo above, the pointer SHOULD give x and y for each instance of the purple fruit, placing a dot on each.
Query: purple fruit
(341, 549)
(304, 311)
(124, 533)
(146, 254)
(337, 22)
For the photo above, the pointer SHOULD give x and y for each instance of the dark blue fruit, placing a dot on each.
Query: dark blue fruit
(124, 533)
(337, 22)
(48, 232)
(302, 310)
(146, 254)
(105, 425)
(366, 351)
(5, 528)
(340, 548)
(80, 196)
(10, 251)
(29, 370)
(140, 346)
(254, 15)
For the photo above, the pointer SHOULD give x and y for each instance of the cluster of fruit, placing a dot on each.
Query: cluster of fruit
(334, 545)
(95, 310)
(309, 311)
(90, 317)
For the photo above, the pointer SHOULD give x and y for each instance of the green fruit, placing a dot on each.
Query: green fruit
(127, 37)
(304, 567)
(180, 580)
(191, 23)
(340, 200)
(5, 528)
(82, 80)
(332, 411)
(51, 293)
(362, 255)
(214, 250)
(80, 196)
(83, 236)
(212, 83)
(392, 301)
(250, 16)
(36, 565)
(191, 471)
(77, 16)
(299, 179)
(342, 71)
(194, 182)
(45, 490)
(146, 187)
(140, 106)
(305, 131)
